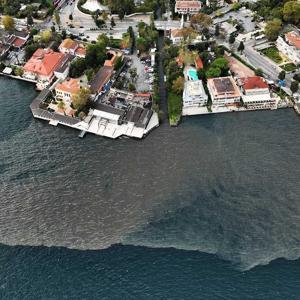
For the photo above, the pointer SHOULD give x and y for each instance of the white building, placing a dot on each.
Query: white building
(215, 3)
(194, 94)
(290, 46)
(187, 7)
(176, 36)
(256, 94)
(224, 91)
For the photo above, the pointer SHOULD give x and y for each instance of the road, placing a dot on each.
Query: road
(270, 69)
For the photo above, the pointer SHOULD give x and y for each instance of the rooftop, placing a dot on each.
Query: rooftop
(194, 88)
(101, 78)
(44, 62)
(255, 82)
(188, 4)
(71, 86)
(68, 44)
(293, 39)
(223, 87)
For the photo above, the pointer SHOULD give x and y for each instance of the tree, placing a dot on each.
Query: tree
(131, 87)
(133, 74)
(178, 85)
(71, 17)
(46, 36)
(217, 30)
(201, 20)
(141, 44)
(213, 72)
(294, 86)
(222, 64)
(291, 12)
(272, 29)
(241, 47)
(77, 68)
(8, 22)
(61, 105)
(57, 18)
(112, 22)
(231, 39)
(258, 72)
(30, 49)
(29, 20)
(80, 100)
(281, 75)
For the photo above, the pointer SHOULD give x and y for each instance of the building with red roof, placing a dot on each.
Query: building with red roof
(42, 65)
(187, 7)
(289, 45)
(256, 93)
(69, 46)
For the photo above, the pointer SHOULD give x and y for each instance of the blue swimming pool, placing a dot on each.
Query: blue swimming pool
(193, 74)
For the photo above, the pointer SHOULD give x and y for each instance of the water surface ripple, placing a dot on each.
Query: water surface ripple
(223, 184)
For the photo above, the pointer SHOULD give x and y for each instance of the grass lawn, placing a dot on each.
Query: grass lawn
(289, 67)
(174, 108)
(273, 54)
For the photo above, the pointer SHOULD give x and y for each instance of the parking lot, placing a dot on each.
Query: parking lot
(143, 80)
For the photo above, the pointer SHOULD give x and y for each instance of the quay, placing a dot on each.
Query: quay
(105, 121)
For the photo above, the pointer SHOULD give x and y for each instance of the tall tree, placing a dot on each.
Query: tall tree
(241, 47)
(8, 22)
(281, 75)
(294, 86)
(272, 29)
(81, 99)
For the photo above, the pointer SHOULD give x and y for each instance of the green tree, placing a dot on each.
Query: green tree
(61, 105)
(281, 75)
(272, 29)
(258, 72)
(217, 30)
(241, 47)
(231, 39)
(213, 72)
(141, 44)
(80, 100)
(291, 12)
(71, 17)
(294, 86)
(77, 67)
(57, 18)
(29, 20)
(133, 74)
(178, 85)
(8, 23)
(46, 35)
(112, 22)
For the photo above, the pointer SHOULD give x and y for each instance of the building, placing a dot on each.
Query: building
(256, 93)
(215, 3)
(290, 46)
(177, 36)
(42, 65)
(67, 89)
(69, 46)
(101, 80)
(187, 7)
(224, 91)
(194, 94)
(113, 55)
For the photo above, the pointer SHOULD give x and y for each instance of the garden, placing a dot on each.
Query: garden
(273, 54)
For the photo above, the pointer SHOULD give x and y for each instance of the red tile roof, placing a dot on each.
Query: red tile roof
(18, 42)
(71, 86)
(198, 62)
(293, 38)
(255, 82)
(188, 4)
(80, 51)
(44, 62)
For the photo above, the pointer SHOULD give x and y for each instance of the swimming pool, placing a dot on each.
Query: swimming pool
(193, 74)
